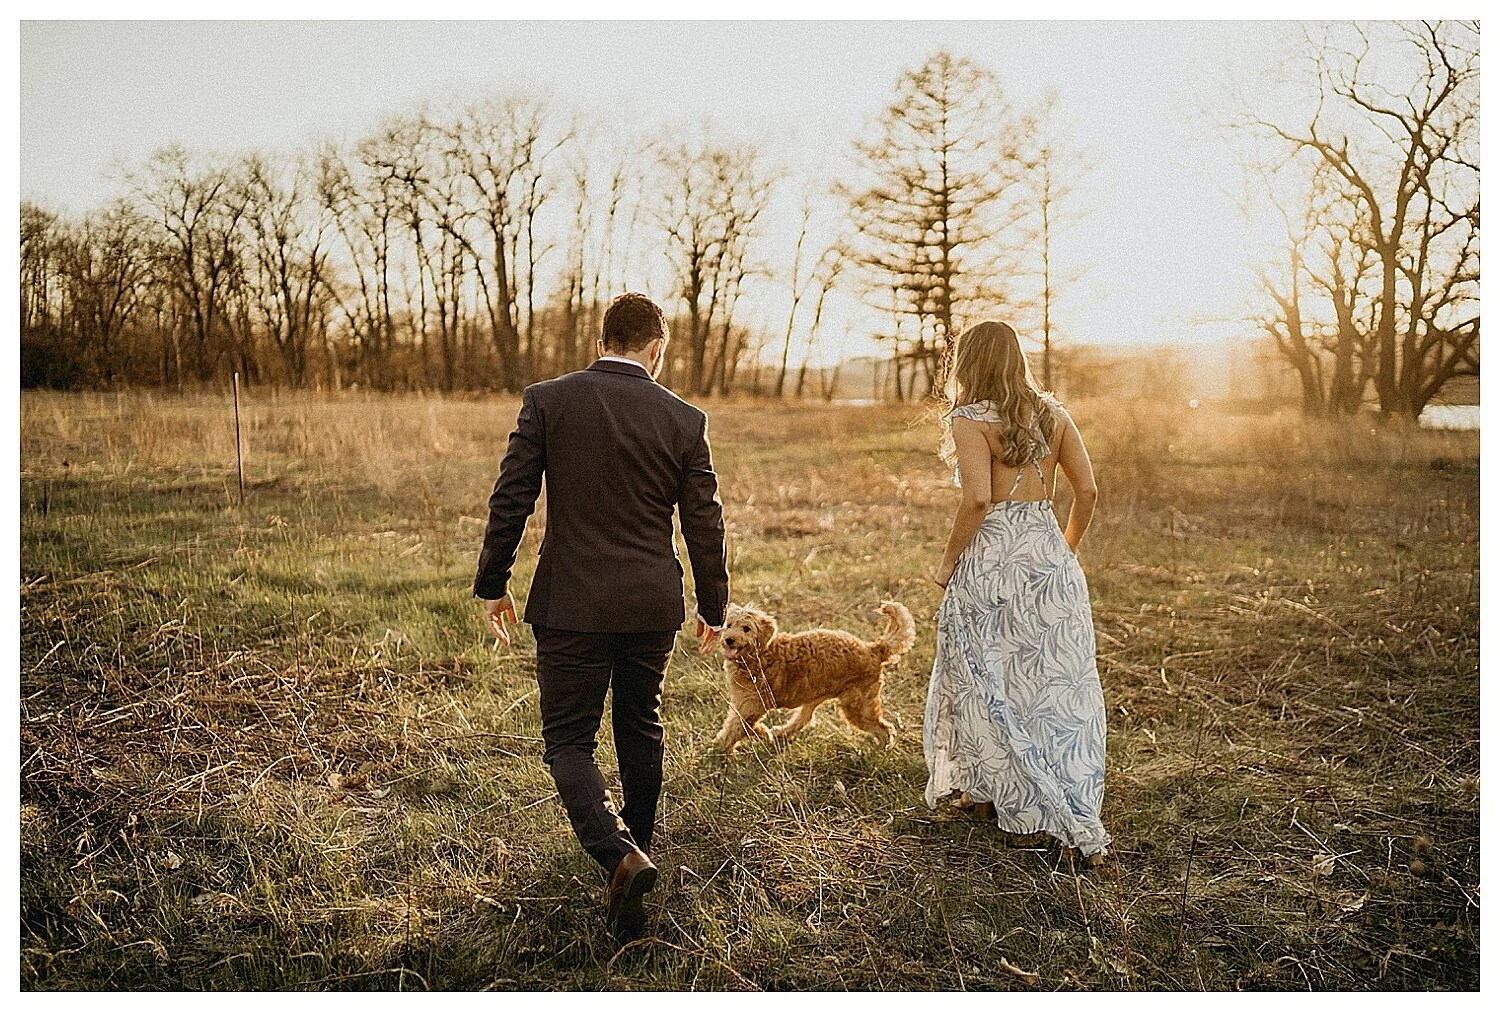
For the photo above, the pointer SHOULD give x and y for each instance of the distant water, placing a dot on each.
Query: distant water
(1450, 416)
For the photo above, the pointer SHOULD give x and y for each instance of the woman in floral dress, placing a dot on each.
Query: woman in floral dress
(1015, 714)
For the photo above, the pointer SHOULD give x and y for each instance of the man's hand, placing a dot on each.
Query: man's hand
(495, 613)
(708, 637)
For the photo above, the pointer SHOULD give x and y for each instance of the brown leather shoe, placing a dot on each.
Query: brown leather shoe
(624, 911)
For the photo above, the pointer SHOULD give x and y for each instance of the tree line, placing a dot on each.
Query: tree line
(474, 247)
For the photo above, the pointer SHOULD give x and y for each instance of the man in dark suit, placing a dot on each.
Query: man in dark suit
(618, 452)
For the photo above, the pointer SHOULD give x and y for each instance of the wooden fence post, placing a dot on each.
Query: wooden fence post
(239, 457)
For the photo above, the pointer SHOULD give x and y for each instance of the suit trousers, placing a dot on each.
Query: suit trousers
(574, 671)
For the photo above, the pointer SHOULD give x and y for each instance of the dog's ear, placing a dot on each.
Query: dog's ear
(765, 625)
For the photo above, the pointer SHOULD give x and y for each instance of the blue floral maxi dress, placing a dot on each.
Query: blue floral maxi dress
(1015, 713)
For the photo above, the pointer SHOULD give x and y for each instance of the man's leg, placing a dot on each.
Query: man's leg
(640, 661)
(573, 674)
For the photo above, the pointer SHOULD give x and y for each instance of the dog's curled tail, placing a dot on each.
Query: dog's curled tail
(900, 631)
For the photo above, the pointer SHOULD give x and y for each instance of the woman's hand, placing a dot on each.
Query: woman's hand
(943, 574)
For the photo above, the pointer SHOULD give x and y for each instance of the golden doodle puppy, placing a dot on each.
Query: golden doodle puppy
(770, 670)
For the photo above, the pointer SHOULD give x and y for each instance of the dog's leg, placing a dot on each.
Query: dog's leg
(800, 719)
(740, 722)
(730, 734)
(862, 710)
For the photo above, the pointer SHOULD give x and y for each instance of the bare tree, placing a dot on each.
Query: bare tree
(406, 160)
(48, 356)
(798, 290)
(604, 193)
(198, 208)
(417, 154)
(939, 175)
(365, 198)
(1054, 168)
(40, 230)
(1341, 269)
(289, 230)
(440, 253)
(577, 303)
(708, 201)
(501, 148)
(1407, 152)
(1289, 324)
(106, 263)
(826, 276)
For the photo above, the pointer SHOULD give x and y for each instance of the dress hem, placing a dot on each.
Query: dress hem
(1088, 842)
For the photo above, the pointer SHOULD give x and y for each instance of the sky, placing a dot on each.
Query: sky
(1162, 247)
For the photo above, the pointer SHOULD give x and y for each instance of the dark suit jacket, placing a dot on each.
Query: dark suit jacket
(619, 451)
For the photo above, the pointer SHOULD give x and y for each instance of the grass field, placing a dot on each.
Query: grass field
(272, 747)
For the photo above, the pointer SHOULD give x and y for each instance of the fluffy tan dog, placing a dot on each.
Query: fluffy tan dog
(769, 670)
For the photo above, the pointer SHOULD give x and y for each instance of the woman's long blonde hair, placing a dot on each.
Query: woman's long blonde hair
(989, 365)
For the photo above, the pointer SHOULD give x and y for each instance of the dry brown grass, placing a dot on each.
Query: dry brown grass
(271, 746)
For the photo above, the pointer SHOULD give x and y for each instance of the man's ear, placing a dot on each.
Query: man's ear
(599, 346)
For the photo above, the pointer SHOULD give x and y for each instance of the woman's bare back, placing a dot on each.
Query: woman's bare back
(1036, 481)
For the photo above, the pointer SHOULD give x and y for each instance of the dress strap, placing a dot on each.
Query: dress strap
(1041, 476)
(1015, 484)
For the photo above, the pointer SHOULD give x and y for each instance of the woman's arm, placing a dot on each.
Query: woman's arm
(1073, 458)
(974, 475)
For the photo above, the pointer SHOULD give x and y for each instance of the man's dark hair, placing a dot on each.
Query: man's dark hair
(631, 322)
